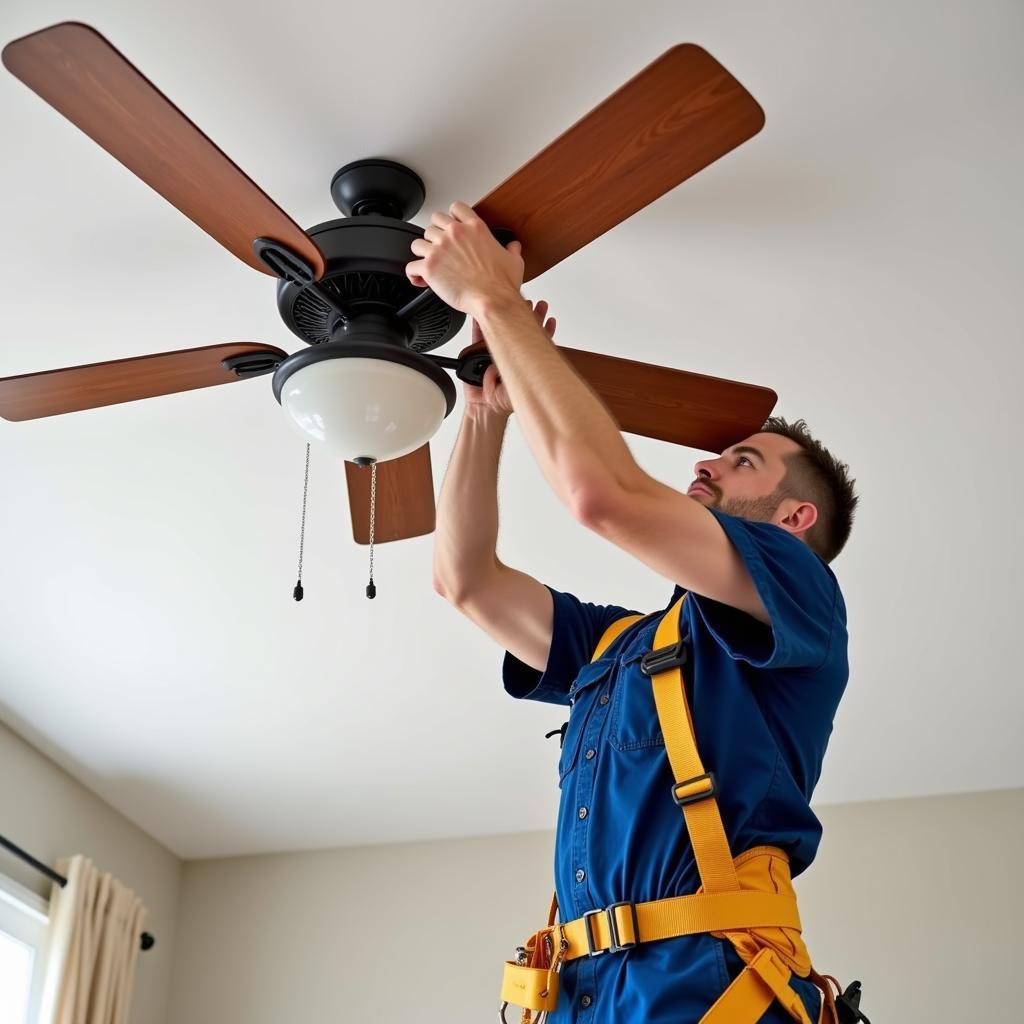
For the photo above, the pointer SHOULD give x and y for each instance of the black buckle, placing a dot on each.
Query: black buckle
(693, 798)
(613, 929)
(663, 659)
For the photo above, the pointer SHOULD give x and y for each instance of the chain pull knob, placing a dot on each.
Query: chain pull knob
(298, 591)
(371, 590)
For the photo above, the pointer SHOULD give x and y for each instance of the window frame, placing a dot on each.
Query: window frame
(25, 917)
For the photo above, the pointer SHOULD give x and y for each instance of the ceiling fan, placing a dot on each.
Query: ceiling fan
(366, 384)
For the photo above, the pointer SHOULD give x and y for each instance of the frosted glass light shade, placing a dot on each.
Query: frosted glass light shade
(363, 408)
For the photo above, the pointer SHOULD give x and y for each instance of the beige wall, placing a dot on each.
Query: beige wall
(49, 814)
(917, 898)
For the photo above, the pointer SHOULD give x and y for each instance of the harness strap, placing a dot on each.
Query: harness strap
(764, 980)
(626, 924)
(694, 785)
(612, 633)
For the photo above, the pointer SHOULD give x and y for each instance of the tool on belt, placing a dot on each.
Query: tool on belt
(748, 900)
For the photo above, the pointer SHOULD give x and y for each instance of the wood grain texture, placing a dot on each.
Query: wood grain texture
(82, 76)
(681, 113)
(405, 498)
(53, 392)
(691, 409)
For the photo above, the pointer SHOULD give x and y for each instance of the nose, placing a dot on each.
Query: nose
(707, 469)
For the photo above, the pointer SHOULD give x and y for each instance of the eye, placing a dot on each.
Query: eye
(743, 458)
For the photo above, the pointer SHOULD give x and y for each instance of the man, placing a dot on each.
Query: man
(764, 622)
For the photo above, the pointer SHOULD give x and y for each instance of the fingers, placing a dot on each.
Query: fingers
(414, 271)
(540, 310)
(440, 220)
(461, 212)
(490, 383)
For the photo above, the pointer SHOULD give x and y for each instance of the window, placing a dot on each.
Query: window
(23, 922)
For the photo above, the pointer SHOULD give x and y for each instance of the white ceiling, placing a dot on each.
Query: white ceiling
(861, 255)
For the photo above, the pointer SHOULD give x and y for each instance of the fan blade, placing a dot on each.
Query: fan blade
(691, 409)
(678, 115)
(405, 498)
(34, 395)
(82, 76)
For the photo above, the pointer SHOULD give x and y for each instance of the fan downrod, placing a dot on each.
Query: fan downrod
(378, 186)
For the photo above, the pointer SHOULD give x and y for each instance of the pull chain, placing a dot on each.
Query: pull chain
(297, 592)
(371, 590)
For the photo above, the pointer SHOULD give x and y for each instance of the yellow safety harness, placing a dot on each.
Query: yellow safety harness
(748, 900)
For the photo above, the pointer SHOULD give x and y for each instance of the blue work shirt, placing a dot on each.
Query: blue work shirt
(762, 699)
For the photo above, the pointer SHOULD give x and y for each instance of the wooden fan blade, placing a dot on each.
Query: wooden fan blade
(34, 395)
(690, 409)
(405, 498)
(678, 115)
(82, 76)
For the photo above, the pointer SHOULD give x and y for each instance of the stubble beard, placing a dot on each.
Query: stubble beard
(758, 510)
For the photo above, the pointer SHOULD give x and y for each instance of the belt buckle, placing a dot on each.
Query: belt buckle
(590, 935)
(613, 929)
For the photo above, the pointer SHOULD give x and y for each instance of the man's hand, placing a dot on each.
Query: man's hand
(493, 396)
(463, 262)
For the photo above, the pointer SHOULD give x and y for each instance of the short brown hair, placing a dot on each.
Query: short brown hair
(814, 474)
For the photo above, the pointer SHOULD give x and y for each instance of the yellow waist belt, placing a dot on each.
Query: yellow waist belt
(749, 901)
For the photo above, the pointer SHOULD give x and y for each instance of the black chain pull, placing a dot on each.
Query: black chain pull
(298, 591)
(371, 590)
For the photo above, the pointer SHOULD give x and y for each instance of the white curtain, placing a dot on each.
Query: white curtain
(95, 924)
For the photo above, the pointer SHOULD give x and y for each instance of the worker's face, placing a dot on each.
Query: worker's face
(745, 478)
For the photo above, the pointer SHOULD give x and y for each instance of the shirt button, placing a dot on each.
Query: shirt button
(582, 813)
(603, 699)
(585, 1001)
(580, 875)
(591, 754)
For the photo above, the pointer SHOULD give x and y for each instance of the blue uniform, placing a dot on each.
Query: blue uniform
(762, 698)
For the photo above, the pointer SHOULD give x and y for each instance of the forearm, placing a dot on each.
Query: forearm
(574, 438)
(466, 534)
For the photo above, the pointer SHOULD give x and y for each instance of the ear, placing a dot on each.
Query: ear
(797, 516)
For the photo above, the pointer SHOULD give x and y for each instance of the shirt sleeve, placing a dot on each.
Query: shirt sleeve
(799, 592)
(576, 630)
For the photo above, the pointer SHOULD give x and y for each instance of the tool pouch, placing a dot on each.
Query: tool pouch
(533, 988)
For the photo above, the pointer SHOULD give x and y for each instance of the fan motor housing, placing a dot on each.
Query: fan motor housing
(365, 258)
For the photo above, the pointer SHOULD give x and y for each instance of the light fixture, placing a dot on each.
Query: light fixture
(365, 396)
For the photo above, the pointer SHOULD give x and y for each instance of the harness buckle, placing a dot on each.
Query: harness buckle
(613, 929)
(663, 659)
(617, 944)
(590, 935)
(683, 798)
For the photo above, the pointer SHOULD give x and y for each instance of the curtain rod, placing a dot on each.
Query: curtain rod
(146, 941)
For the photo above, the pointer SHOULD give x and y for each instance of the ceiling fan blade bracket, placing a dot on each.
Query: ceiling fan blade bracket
(252, 364)
(471, 368)
(284, 262)
(291, 267)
